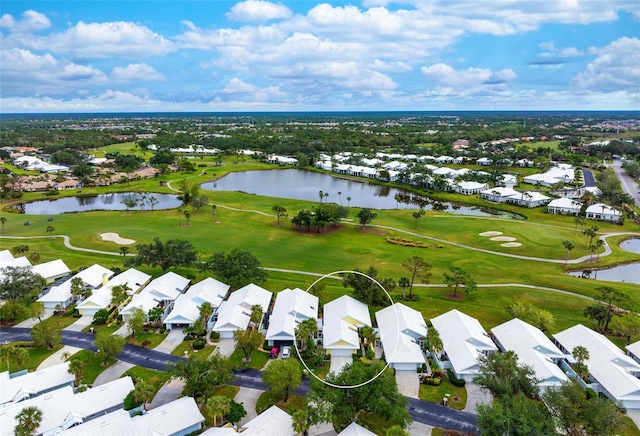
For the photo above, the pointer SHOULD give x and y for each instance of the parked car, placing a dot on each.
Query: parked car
(274, 352)
(286, 352)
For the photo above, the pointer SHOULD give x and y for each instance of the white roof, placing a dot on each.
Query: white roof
(533, 348)
(463, 340)
(400, 326)
(57, 405)
(5, 256)
(15, 262)
(168, 419)
(290, 302)
(634, 348)
(533, 196)
(472, 185)
(101, 297)
(500, 191)
(166, 287)
(565, 203)
(354, 429)
(37, 381)
(443, 171)
(234, 313)
(186, 308)
(600, 208)
(93, 276)
(272, 421)
(607, 363)
(342, 318)
(52, 269)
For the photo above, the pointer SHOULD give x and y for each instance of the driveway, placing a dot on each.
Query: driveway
(169, 392)
(249, 398)
(80, 324)
(337, 363)
(173, 339)
(114, 372)
(408, 383)
(123, 331)
(476, 395)
(56, 358)
(226, 347)
(48, 313)
(419, 429)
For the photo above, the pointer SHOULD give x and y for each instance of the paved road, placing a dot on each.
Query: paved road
(440, 416)
(628, 184)
(589, 179)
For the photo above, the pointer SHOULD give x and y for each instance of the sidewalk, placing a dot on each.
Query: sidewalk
(112, 373)
(56, 358)
(28, 323)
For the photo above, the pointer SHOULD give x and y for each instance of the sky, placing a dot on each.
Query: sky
(368, 55)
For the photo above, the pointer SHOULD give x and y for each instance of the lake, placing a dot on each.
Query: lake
(629, 273)
(100, 202)
(632, 245)
(306, 185)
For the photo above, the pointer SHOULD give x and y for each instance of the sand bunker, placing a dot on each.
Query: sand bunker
(504, 238)
(115, 237)
(511, 244)
(491, 233)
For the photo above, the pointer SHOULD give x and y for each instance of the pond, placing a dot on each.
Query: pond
(632, 245)
(112, 201)
(306, 185)
(629, 273)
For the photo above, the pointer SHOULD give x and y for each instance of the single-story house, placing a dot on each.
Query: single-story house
(355, 429)
(101, 297)
(602, 212)
(60, 293)
(529, 199)
(401, 328)
(63, 409)
(611, 371)
(559, 173)
(282, 160)
(234, 313)
(443, 159)
(508, 180)
(498, 194)
(564, 206)
(443, 171)
(470, 188)
(273, 421)
(292, 306)
(524, 163)
(533, 348)
(21, 386)
(185, 311)
(160, 292)
(342, 319)
(52, 271)
(484, 161)
(464, 340)
(177, 418)
(633, 350)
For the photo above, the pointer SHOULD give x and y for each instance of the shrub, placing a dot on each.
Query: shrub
(435, 381)
(590, 393)
(370, 354)
(215, 336)
(70, 311)
(130, 401)
(455, 381)
(198, 344)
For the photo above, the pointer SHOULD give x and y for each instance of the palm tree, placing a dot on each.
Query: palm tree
(76, 367)
(348, 201)
(340, 198)
(143, 392)
(50, 230)
(300, 421)
(218, 405)
(581, 354)
(3, 220)
(206, 310)
(29, 420)
(321, 195)
(119, 295)
(598, 245)
(569, 246)
(435, 343)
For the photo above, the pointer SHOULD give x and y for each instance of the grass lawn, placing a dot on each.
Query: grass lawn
(93, 366)
(229, 391)
(629, 428)
(268, 399)
(435, 394)
(258, 359)
(320, 371)
(36, 357)
(371, 422)
(197, 354)
(104, 327)
(151, 376)
(147, 340)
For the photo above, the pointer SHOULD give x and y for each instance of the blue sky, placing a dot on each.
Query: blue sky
(148, 55)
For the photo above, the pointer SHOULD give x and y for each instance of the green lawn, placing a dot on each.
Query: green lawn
(197, 354)
(258, 359)
(229, 391)
(94, 365)
(36, 357)
(268, 399)
(435, 394)
(151, 376)
(147, 340)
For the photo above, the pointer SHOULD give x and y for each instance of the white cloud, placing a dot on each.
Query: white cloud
(135, 72)
(444, 75)
(258, 11)
(615, 68)
(31, 21)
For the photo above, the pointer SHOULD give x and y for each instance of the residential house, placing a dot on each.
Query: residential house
(524, 163)
(564, 206)
(282, 160)
(355, 429)
(560, 173)
(235, 312)
(508, 180)
(185, 311)
(401, 330)
(611, 372)
(484, 161)
(529, 199)
(533, 348)
(633, 350)
(59, 294)
(160, 292)
(292, 307)
(273, 421)
(498, 194)
(342, 318)
(464, 341)
(101, 297)
(470, 188)
(51, 271)
(602, 212)
(20, 386)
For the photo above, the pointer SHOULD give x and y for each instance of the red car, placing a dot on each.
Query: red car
(274, 352)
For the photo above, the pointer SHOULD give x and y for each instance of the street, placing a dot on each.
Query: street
(629, 186)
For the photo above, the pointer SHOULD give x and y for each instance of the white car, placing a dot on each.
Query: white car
(286, 352)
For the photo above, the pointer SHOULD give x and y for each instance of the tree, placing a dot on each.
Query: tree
(237, 269)
(3, 220)
(47, 334)
(627, 326)
(591, 233)
(136, 321)
(109, 345)
(100, 317)
(514, 416)
(306, 330)
(12, 353)
(577, 414)
(36, 310)
(404, 283)
(143, 392)
(201, 377)
(396, 430)
(417, 215)
(379, 397)
(348, 201)
(119, 295)
(248, 341)
(19, 282)
(124, 251)
(206, 310)
(29, 420)
(256, 315)
(188, 191)
(418, 268)
(611, 297)
(280, 212)
(366, 216)
(300, 421)
(76, 367)
(50, 230)
(568, 245)
(435, 342)
(282, 376)
(174, 252)
(458, 277)
(236, 412)
(129, 203)
(304, 218)
(199, 202)
(501, 374)
(366, 290)
(78, 290)
(155, 316)
(218, 405)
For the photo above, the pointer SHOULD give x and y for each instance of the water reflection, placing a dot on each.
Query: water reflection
(629, 273)
(113, 201)
(632, 245)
